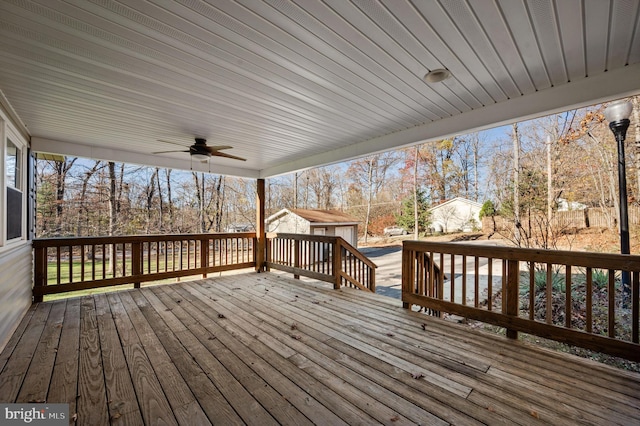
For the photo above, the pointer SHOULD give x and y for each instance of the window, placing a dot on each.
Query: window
(13, 183)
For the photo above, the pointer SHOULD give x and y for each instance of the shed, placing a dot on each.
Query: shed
(315, 222)
(457, 214)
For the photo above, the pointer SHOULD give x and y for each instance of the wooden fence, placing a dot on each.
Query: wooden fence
(588, 218)
(572, 297)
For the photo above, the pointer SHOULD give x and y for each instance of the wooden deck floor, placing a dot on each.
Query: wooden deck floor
(266, 349)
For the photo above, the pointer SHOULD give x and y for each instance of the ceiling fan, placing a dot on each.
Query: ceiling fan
(201, 151)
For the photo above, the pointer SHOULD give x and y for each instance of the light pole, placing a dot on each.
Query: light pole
(618, 114)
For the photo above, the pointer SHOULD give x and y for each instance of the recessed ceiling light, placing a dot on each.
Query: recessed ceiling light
(436, 76)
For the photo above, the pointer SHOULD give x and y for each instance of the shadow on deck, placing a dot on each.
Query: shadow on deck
(268, 349)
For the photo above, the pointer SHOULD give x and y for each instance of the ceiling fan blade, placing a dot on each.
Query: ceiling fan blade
(172, 143)
(222, 154)
(217, 147)
(167, 152)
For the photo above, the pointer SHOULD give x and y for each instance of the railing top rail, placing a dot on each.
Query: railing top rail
(583, 259)
(358, 254)
(66, 241)
(303, 237)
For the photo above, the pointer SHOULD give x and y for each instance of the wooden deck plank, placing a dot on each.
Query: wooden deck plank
(92, 396)
(596, 377)
(15, 337)
(218, 410)
(349, 413)
(64, 380)
(310, 323)
(569, 411)
(183, 403)
(17, 365)
(36, 382)
(255, 366)
(121, 396)
(238, 397)
(273, 402)
(342, 331)
(352, 386)
(153, 403)
(253, 347)
(485, 383)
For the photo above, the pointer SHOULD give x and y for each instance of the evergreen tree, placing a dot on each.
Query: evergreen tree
(406, 219)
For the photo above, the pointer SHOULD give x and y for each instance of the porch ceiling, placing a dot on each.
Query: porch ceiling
(295, 84)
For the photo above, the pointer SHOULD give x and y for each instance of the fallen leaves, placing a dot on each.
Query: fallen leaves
(424, 326)
(221, 316)
(395, 418)
(294, 326)
(417, 376)
(296, 336)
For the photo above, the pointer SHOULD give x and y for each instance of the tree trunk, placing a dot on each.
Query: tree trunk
(84, 210)
(170, 201)
(112, 211)
(415, 193)
(161, 202)
(516, 184)
(369, 197)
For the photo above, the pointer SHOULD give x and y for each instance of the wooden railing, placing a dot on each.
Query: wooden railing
(70, 264)
(572, 297)
(325, 258)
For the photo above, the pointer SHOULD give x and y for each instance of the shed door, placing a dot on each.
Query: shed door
(346, 233)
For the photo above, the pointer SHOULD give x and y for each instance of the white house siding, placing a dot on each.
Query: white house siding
(290, 223)
(455, 214)
(16, 270)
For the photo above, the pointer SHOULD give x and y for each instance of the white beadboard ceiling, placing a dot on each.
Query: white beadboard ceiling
(292, 84)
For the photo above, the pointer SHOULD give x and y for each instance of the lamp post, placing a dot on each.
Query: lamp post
(618, 114)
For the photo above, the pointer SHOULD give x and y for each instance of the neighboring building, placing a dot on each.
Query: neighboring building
(457, 214)
(566, 205)
(315, 222)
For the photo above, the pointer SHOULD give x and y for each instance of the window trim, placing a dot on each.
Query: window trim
(9, 132)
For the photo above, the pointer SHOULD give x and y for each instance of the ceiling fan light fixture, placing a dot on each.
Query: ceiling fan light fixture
(437, 75)
(200, 157)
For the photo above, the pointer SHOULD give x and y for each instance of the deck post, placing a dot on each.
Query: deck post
(136, 261)
(337, 264)
(513, 277)
(296, 256)
(261, 236)
(204, 254)
(40, 271)
(407, 274)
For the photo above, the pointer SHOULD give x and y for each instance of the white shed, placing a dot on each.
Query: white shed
(457, 214)
(315, 222)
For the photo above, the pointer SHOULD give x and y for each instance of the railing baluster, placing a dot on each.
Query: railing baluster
(464, 279)
(476, 281)
(635, 306)
(549, 297)
(490, 284)
(611, 311)
(589, 300)
(452, 276)
(532, 290)
(70, 264)
(567, 309)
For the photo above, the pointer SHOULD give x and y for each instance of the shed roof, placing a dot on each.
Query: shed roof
(461, 199)
(318, 216)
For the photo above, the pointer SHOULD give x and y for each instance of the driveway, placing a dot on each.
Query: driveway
(389, 271)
